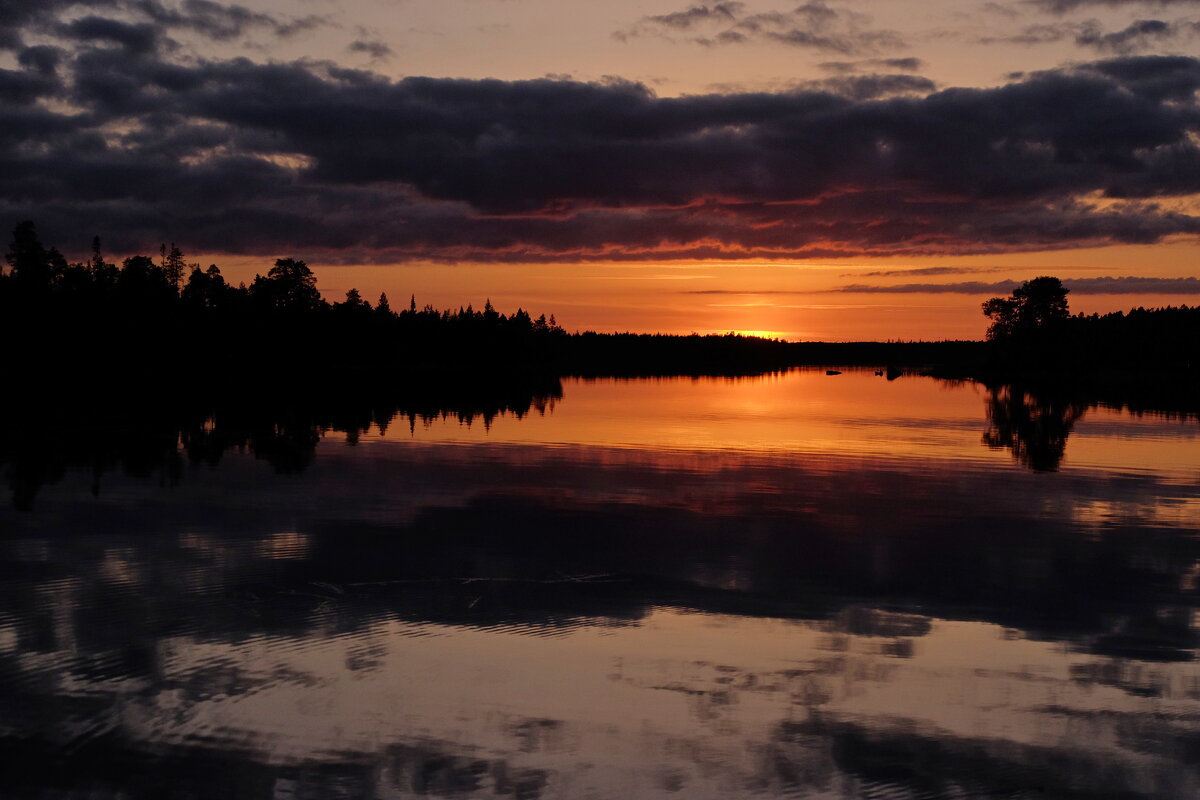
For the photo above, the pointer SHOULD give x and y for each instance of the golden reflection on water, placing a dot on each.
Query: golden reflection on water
(803, 411)
(798, 411)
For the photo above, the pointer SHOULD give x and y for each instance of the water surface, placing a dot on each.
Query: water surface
(793, 585)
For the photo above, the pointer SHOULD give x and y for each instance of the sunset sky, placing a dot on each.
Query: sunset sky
(857, 169)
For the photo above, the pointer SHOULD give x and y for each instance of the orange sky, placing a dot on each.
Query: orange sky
(792, 300)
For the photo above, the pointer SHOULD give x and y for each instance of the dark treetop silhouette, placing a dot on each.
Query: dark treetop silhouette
(144, 320)
(1033, 307)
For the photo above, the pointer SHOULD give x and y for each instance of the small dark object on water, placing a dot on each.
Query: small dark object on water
(879, 372)
(832, 372)
(893, 373)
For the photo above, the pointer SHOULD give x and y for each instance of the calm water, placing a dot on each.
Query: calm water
(797, 585)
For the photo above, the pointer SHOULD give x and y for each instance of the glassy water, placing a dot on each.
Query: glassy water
(794, 585)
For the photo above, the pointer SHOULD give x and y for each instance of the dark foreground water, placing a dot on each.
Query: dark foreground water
(799, 585)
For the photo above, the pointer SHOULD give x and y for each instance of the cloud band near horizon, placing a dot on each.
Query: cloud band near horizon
(1106, 285)
(104, 130)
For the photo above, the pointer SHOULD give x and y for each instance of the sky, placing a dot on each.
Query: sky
(865, 169)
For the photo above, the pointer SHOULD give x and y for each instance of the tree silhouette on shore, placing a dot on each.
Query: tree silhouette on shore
(1034, 306)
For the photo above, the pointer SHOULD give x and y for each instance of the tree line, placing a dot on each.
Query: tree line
(39, 273)
(165, 314)
(1033, 331)
(165, 320)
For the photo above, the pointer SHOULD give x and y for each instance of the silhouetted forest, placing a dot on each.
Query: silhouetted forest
(1140, 360)
(1033, 331)
(1140, 340)
(183, 326)
(164, 322)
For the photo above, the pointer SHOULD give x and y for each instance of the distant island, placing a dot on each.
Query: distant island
(169, 323)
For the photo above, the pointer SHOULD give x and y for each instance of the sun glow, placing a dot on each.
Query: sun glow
(762, 334)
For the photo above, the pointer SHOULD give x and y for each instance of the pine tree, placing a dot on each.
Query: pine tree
(97, 263)
(173, 266)
(102, 271)
(27, 257)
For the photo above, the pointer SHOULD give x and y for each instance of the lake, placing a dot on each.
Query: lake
(800, 584)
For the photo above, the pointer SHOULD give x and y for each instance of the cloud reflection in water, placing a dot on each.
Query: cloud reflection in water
(468, 612)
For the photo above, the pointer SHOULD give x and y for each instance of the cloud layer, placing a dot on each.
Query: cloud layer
(1066, 6)
(813, 25)
(1107, 285)
(105, 128)
(1140, 35)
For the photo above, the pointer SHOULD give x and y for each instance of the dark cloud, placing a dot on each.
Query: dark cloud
(1001, 9)
(967, 287)
(299, 25)
(152, 19)
(20, 16)
(221, 22)
(210, 19)
(873, 65)
(19, 88)
(1140, 35)
(1133, 285)
(137, 38)
(1035, 34)
(1123, 41)
(813, 25)
(741, 292)
(376, 50)
(1065, 6)
(37, 78)
(868, 87)
(698, 15)
(900, 273)
(1126, 285)
(237, 156)
(42, 59)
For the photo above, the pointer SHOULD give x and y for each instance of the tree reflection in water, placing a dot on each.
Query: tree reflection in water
(1034, 426)
(41, 443)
